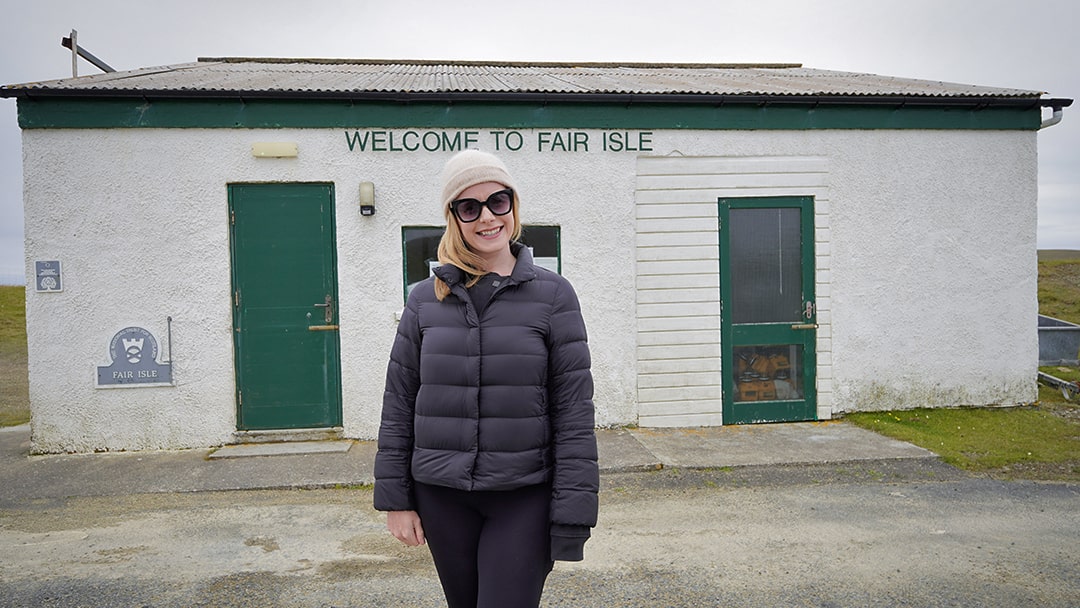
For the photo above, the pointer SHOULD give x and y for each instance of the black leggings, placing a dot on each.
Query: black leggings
(491, 549)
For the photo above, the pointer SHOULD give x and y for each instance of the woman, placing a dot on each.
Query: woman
(487, 448)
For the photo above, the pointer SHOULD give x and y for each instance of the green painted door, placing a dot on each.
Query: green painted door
(768, 320)
(285, 312)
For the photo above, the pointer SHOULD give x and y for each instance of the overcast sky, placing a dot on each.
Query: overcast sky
(1004, 43)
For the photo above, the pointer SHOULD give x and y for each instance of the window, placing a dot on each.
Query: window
(421, 247)
(543, 241)
(421, 250)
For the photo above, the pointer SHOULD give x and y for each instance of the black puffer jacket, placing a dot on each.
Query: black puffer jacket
(492, 403)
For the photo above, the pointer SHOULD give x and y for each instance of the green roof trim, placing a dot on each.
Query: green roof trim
(786, 114)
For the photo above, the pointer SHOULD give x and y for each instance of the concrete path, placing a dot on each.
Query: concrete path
(328, 464)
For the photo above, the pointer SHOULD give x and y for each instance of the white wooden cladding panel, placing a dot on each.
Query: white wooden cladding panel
(677, 252)
(687, 239)
(660, 296)
(682, 309)
(663, 324)
(672, 366)
(672, 267)
(682, 281)
(678, 274)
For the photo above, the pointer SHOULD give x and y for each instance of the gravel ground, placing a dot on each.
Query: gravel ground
(896, 533)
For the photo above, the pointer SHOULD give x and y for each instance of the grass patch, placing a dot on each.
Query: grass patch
(1036, 442)
(1059, 287)
(1071, 374)
(14, 387)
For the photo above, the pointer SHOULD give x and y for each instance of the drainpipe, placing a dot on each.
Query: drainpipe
(1056, 105)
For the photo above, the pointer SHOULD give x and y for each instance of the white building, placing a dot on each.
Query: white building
(749, 243)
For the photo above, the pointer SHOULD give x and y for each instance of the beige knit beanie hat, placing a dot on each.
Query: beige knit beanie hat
(471, 167)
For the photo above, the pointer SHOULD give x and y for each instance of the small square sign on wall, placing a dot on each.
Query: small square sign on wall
(47, 276)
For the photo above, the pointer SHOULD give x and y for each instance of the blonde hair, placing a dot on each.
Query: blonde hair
(455, 251)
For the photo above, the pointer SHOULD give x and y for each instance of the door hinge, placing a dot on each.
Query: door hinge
(232, 218)
(236, 299)
(240, 397)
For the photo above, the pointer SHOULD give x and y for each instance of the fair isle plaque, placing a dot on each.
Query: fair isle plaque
(134, 353)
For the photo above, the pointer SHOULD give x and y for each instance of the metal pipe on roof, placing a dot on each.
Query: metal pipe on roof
(72, 43)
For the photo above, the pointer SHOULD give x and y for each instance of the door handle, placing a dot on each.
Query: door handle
(328, 308)
(322, 328)
(808, 312)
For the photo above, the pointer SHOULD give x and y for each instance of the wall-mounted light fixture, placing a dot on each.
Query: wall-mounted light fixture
(367, 198)
(275, 149)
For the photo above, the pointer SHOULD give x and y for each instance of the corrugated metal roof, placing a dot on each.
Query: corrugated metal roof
(323, 77)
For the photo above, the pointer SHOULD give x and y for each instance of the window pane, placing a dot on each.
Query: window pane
(768, 373)
(421, 245)
(544, 243)
(766, 265)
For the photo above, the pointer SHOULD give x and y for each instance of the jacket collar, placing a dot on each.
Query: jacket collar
(524, 270)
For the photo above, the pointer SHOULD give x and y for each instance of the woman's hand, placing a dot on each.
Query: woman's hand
(406, 527)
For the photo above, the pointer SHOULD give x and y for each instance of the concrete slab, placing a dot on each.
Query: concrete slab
(620, 452)
(249, 450)
(764, 444)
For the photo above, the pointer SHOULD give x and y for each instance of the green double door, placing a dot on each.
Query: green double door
(285, 306)
(768, 319)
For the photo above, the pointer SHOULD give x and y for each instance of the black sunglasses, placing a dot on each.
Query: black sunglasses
(469, 209)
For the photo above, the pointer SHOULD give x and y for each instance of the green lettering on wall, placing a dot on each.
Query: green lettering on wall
(357, 140)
